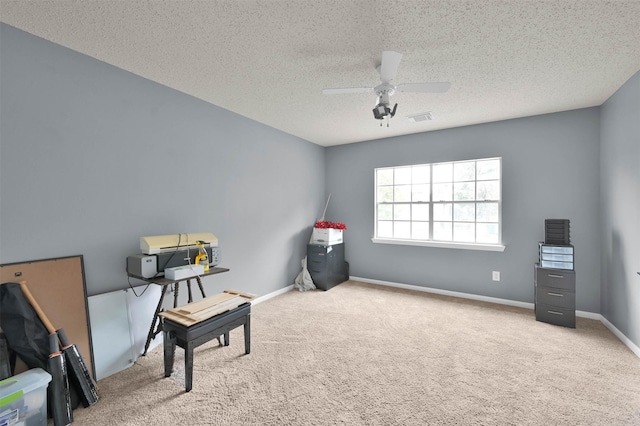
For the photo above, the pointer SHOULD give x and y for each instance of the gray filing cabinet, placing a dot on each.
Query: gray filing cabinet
(555, 296)
(326, 265)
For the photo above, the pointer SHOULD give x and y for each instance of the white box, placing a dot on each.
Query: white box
(326, 236)
(184, 271)
(23, 398)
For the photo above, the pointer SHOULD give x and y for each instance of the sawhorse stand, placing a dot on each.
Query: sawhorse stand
(156, 324)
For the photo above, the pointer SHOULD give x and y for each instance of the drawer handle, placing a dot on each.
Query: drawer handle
(556, 313)
(555, 276)
(555, 294)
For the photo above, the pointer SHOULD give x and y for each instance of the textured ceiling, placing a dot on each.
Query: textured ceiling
(269, 60)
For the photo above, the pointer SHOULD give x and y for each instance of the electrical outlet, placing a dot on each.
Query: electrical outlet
(495, 275)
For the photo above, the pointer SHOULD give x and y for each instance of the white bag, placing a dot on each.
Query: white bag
(303, 281)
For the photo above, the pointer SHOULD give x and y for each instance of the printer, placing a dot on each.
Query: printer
(169, 251)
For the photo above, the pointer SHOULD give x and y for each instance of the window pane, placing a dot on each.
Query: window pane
(488, 169)
(384, 177)
(443, 172)
(420, 212)
(463, 232)
(442, 192)
(464, 191)
(420, 230)
(385, 194)
(402, 230)
(402, 175)
(487, 212)
(385, 229)
(442, 231)
(420, 192)
(464, 212)
(402, 193)
(421, 174)
(402, 212)
(453, 201)
(464, 171)
(488, 190)
(442, 211)
(385, 212)
(487, 233)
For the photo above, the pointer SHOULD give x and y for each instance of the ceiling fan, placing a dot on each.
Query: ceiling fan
(387, 70)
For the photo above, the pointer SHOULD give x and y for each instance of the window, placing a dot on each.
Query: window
(447, 204)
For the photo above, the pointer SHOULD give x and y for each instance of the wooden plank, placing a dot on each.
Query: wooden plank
(242, 293)
(177, 314)
(195, 312)
(219, 308)
(178, 318)
(204, 303)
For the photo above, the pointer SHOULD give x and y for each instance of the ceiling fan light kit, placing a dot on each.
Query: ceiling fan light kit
(388, 69)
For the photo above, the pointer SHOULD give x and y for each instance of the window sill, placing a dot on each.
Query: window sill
(440, 244)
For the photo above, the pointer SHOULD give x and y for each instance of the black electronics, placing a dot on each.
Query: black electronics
(153, 265)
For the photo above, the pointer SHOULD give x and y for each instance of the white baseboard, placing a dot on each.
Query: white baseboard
(624, 339)
(271, 295)
(447, 293)
(583, 314)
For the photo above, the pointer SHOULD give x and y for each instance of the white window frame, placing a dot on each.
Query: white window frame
(430, 242)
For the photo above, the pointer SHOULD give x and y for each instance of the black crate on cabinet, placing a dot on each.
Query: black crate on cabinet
(556, 231)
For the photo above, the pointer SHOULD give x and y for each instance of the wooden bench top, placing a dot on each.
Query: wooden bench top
(195, 312)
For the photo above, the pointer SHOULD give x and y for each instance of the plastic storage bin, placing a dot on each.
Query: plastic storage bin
(23, 399)
(556, 256)
(326, 236)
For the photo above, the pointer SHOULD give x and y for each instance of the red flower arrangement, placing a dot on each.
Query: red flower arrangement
(326, 224)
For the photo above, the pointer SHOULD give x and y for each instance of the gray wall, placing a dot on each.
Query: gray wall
(93, 157)
(550, 170)
(620, 186)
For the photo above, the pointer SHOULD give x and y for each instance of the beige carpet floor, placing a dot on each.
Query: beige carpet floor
(363, 354)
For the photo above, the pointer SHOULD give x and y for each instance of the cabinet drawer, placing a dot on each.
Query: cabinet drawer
(557, 316)
(557, 257)
(317, 258)
(556, 278)
(557, 265)
(556, 249)
(313, 249)
(556, 298)
(316, 266)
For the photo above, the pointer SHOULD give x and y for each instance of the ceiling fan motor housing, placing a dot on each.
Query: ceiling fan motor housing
(384, 90)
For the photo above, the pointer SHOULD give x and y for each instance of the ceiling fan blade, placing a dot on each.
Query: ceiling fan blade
(389, 65)
(424, 87)
(347, 90)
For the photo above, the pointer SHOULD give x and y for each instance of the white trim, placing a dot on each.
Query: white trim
(624, 339)
(589, 315)
(447, 293)
(583, 314)
(440, 244)
(271, 295)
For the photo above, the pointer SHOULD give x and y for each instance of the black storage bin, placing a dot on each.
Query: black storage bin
(556, 231)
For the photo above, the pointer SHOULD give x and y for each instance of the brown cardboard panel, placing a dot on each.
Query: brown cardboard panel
(58, 286)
